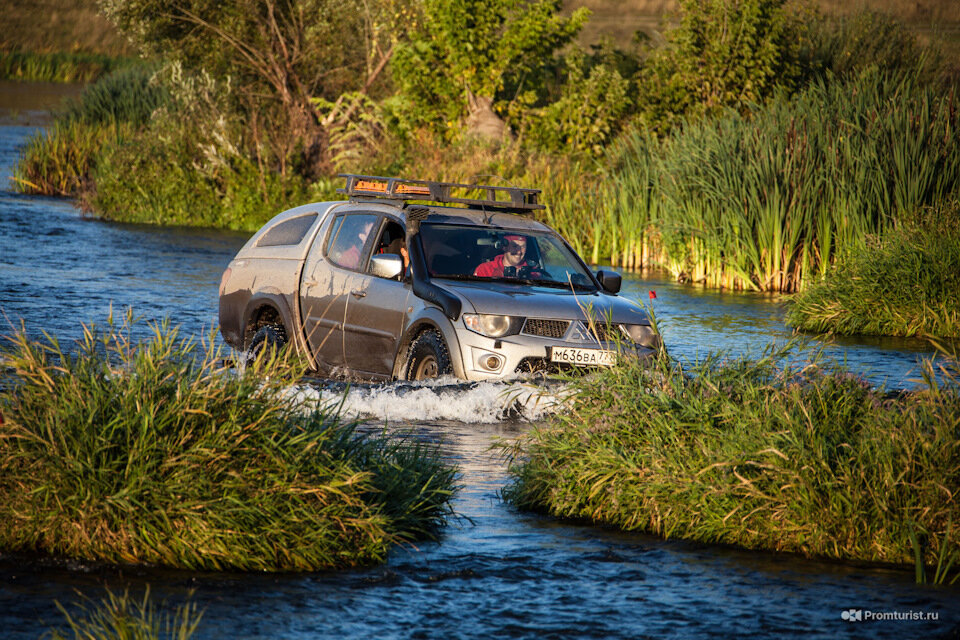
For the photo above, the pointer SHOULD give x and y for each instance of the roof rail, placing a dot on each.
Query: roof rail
(360, 186)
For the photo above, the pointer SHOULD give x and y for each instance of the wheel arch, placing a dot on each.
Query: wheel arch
(265, 309)
(436, 320)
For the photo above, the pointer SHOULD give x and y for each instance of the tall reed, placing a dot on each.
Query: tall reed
(769, 200)
(807, 459)
(154, 452)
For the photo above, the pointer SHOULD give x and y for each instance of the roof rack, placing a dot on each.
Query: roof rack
(360, 186)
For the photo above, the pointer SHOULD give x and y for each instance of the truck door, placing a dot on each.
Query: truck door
(376, 312)
(331, 272)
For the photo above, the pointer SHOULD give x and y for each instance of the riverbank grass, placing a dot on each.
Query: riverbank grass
(59, 66)
(124, 617)
(906, 285)
(809, 460)
(127, 452)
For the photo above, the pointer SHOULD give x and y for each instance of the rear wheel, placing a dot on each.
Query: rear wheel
(271, 337)
(429, 357)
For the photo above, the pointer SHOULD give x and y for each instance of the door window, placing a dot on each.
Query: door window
(350, 240)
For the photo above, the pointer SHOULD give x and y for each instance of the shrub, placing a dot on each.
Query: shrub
(61, 160)
(721, 54)
(809, 460)
(153, 452)
(588, 113)
(906, 285)
(164, 176)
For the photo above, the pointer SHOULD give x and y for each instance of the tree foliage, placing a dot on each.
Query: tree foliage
(278, 54)
(723, 53)
(488, 48)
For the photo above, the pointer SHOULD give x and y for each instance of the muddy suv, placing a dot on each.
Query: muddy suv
(413, 279)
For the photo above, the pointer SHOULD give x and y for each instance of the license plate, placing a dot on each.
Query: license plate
(585, 357)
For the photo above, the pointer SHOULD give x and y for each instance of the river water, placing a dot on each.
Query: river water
(496, 572)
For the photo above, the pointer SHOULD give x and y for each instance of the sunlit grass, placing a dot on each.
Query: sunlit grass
(123, 617)
(807, 459)
(155, 452)
(771, 200)
(906, 285)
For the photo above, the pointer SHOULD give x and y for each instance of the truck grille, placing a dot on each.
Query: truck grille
(545, 328)
(602, 331)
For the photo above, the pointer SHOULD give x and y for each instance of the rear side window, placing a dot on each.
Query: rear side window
(288, 232)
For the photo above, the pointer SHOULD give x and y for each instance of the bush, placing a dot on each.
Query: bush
(588, 113)
(808, 460)
(154, 453)
(61, 160)
(906, 285)
(721, 54)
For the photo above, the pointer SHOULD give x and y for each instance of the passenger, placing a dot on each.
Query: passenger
(511, 262)
(350, 258)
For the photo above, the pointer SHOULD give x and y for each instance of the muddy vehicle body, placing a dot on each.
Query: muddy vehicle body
(389, 285)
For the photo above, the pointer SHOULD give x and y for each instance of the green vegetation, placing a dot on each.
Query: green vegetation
(809, 460)
(757, 145)
(60, 161)
(58, 66)
(121, 617)
(770, 199)
(153, 452)
(906, 285)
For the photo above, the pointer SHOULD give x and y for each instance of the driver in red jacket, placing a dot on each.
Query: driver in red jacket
(511, 262)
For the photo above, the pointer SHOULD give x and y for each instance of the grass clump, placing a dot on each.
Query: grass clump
(811, 460)
(153, 452)
(906, 285)
(122, 617)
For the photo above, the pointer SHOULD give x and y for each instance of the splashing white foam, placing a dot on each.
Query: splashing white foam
(441, 399)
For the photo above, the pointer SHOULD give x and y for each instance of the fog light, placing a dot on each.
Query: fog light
(491, 362)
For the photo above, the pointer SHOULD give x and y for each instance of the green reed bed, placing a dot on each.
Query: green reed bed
(908, 284)
(153, 452)
(59, 161)
(810, 460)
(770, 199)
(58, 66)
(123, 617)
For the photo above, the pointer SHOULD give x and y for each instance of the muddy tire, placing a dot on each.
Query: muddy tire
(428, 357)
(272, 337)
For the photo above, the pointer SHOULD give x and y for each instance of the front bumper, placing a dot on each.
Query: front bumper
(520, 354)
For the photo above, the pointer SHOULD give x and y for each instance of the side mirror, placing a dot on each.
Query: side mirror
(386, 265)
(609, 280)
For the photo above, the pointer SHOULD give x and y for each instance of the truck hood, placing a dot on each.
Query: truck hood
(544, 302)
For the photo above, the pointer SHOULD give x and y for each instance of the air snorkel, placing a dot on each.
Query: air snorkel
(422, 286)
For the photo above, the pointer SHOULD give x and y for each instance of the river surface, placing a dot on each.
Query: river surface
(496, 572)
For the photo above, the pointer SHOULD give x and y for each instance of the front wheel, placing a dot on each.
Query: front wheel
(429, 357)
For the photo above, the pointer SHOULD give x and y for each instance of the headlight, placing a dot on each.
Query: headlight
(642, 334)
(492, 326)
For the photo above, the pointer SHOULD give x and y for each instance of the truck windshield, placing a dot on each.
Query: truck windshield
(481, 253)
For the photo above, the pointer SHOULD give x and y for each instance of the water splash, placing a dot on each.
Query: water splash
(444, 398)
